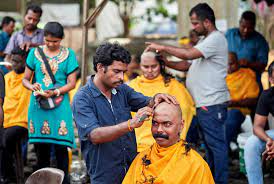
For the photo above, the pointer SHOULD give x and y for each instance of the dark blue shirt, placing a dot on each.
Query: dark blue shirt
(4, 39)
(107, 163)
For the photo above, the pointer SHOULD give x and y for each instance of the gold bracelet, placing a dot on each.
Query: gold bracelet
(128, 126)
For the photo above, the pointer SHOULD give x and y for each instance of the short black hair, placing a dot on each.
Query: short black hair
(35, 8)
(6, 20)
(203, 11)
(108, 52)
(249, 16)
(54, 29)
(18, 51)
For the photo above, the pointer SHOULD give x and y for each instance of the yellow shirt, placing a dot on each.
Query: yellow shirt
(242, 85)
(73, 91)
(169, 166)
(150, 88)
(16, 101)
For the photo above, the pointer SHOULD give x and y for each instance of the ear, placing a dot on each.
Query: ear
(100, 67)
(271, 80)
(182, 123)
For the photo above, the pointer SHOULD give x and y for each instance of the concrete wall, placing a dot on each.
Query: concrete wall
(73, 37)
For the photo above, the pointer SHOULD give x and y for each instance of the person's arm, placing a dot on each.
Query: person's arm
(1, 113)
(107, 134)
(248, 102)
(186, 54)
(258, 127)
(180, 65)
(256, 66)
(26, 81)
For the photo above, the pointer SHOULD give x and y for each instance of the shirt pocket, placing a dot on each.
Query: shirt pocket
(123, 113)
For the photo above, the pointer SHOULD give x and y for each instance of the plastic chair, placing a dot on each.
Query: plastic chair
(46, 176)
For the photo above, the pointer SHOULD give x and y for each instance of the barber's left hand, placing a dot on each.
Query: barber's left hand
(154, 47)
(160, 97)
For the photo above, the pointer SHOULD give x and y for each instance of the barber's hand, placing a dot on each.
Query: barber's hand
(243, 62)
(154, 47)
(26, 46)
(161, 97)
(142, 115)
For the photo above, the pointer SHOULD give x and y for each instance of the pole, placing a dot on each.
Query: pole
(84, 70)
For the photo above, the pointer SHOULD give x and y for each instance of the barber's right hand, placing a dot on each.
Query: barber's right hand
(36, 87)
(142, 115)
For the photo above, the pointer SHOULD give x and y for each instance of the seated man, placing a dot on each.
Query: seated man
(170, 159)
(15, 109)
(244, 90)
(262, 141)
(155, 80)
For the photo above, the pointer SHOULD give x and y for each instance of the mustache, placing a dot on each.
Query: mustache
(160, 136)
(119, 82)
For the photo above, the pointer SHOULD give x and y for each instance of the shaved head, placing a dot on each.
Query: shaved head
(165, 108)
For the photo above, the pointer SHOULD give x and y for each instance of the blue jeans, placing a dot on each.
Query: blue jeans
(212, 125)
(233, 123)
(252, 155)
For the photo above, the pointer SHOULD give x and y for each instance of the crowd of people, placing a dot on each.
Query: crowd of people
(135, 121)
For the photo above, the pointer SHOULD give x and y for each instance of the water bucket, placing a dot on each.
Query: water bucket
(241, 139)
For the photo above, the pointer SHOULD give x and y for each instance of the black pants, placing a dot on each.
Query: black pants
(43, 157)
(12, 136)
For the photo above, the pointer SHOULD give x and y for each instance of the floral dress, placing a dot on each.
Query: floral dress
(55, 125)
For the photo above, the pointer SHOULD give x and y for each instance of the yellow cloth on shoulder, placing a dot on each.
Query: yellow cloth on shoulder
(169, 165)
(241, 85)
(150, 88)
(16, 101)
(73, 91)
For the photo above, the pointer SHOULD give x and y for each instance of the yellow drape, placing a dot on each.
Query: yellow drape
(241, 85)
(16, 101)
(169, 165)
(152, 87)
(73, 91)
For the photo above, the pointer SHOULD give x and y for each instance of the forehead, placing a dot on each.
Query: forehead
(16, 57)
(51, 38)
(194, 18)
(32, 14)
(147, 61)
(119, 65)
(246, 23)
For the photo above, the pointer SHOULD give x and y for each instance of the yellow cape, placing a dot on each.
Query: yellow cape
(169, 165)
(16, 101)
(152, 87)
(241, 85)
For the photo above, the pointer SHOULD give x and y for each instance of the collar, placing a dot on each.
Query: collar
(36, 32)
(95, 91)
